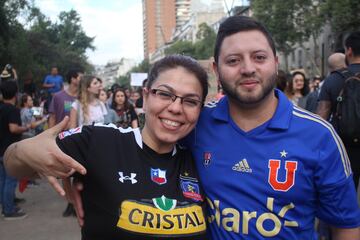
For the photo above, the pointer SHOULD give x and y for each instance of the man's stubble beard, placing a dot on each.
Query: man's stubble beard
(246, 99)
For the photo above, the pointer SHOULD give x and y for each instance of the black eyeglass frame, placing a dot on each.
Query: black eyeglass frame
(174, 96)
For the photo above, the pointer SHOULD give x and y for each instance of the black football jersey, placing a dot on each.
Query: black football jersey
(132, 192)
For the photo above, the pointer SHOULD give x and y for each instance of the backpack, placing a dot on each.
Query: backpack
(347, 115)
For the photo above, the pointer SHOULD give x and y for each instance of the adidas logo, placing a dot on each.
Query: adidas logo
(242, 166)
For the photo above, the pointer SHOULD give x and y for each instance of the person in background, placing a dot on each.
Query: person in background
(297, 89)
(10, 132)
(60, 107)
(87, 109)
(281, 80)
(312, 98)
(28, 118)
(53, 83)
(336, 62)
(29, 85)
(331, 89)
(111, 116)
(125, 111)
(9, 73)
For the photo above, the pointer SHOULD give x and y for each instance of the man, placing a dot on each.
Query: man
(277, 167)
(53, 83)
(331, 89)
(336, 61)
(60, 107)
(10, 132)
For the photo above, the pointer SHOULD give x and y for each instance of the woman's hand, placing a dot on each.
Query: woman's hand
(40, 156)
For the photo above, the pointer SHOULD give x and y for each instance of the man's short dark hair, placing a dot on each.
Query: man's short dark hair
(9, 89)
(237, 24)
(72, 73)
(353, 42)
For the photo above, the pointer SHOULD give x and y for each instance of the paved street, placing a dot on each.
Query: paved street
(44, 221)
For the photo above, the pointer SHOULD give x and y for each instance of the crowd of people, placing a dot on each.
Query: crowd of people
(254, 164)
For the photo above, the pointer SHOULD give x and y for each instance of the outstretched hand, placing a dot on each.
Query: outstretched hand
(43, 156)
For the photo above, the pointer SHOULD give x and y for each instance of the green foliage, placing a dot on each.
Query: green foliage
(32, 43)
(343, 15)
(202, 49)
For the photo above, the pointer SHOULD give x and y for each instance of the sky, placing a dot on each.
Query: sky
(115, 24)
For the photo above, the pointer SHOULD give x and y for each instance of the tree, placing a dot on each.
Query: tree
(202, 49)
(343, 16)
(181, 47)
(290, 22)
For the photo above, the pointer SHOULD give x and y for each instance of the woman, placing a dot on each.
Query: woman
(27, 116)
(137, 186)
(111, 116)
(297, 89)
(124, 109)
(88, 109)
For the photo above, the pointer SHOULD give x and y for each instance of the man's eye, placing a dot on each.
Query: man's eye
(260, 58)
(232, 61)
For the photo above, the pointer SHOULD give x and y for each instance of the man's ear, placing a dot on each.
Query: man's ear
(215, 69)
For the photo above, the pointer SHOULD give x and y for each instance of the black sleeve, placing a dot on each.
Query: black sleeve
(14, 116)
(75, 142)
(133, 114)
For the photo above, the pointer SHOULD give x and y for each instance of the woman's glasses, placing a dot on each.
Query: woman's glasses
(188, 102)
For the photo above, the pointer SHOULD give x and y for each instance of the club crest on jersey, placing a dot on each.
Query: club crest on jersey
(290, 169)
(191, 190)
(69, 132)
(158, 176)
(207, 158)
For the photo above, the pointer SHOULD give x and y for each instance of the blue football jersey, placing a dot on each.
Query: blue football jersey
(271, 182)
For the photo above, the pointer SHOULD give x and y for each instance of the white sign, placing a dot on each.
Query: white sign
(138, 78)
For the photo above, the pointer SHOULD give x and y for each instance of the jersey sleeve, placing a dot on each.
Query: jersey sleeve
(75, 143)
(337, 196)
(14, 116)
(325, 90)
(133, 114)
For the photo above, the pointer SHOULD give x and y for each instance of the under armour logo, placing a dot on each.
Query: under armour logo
(131, 178)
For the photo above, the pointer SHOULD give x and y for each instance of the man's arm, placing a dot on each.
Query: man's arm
(345, 233)
(16, 129)
(324, 109)
(52, 120)
(46, 84)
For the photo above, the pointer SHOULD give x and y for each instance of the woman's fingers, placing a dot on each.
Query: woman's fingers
(55, 184)
(61, 126)
(68, 163)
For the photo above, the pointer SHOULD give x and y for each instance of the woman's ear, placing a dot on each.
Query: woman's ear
(145, 97)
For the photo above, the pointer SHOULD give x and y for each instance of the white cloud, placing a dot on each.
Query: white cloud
(117, 27)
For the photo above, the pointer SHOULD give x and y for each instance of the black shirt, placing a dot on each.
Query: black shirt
(8, 114)
(130, 191)
(333, 85)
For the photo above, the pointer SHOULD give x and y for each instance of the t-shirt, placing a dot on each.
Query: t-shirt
(333, 85)
(61, 105)
(96, 112)
(272, 181)
(8, 114)
(132, 192)
(126, 117)
(27, 117)
(57, 80)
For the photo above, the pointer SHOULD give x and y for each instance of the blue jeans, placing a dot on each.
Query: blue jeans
(7, 190)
